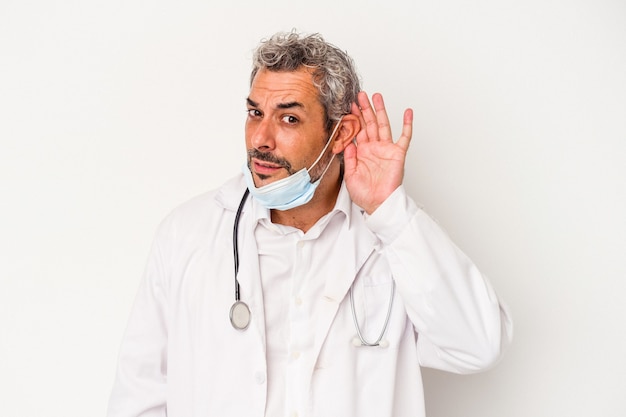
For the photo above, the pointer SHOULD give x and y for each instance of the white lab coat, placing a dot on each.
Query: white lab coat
(181, 358)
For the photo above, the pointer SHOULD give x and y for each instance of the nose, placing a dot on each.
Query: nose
(261, 134)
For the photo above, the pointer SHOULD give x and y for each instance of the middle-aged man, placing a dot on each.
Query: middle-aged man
(344, 288)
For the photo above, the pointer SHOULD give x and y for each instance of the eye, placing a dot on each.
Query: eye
(254, 113)
(289, 119)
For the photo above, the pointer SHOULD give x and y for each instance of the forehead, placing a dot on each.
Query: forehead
(278, 88)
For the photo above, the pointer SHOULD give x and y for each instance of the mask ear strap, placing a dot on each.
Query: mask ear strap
(330, 139)
(326, 169)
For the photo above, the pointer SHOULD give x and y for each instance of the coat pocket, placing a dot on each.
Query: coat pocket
(377, 318)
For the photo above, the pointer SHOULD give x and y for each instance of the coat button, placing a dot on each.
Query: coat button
(259, 377)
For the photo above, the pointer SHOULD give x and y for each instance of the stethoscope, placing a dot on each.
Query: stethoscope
(240, 312)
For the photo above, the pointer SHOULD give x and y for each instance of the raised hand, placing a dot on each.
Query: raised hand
(374, 164)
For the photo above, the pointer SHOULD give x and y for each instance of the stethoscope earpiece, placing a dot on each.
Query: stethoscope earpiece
(360, 340)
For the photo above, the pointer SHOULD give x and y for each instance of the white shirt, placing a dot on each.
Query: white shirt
(181, 357)
(293, 271)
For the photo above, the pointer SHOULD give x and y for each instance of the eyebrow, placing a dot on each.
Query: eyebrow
(288, 105)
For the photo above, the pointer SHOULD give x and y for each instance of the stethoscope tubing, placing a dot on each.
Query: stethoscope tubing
(382, 332)
(235, 240)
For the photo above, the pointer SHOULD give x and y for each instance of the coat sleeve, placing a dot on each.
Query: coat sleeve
(139, 389)
(461, 324)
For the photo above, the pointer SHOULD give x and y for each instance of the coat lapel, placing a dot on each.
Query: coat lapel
(357, 244)
(249, 276)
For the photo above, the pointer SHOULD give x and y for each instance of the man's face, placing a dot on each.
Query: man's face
(285, 125)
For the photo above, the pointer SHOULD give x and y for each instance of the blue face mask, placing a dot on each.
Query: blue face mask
(292, 191)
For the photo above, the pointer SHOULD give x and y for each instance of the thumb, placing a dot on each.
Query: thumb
(349, 159)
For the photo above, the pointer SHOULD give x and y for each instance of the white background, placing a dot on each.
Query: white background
(113, 112)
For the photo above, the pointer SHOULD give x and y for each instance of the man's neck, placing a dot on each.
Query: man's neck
(305, 216)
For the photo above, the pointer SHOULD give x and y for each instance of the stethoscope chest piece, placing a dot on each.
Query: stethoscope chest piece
(240, 315)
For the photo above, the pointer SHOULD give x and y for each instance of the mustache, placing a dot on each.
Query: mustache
(269, 157)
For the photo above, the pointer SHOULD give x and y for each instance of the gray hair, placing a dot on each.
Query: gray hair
(334, 72)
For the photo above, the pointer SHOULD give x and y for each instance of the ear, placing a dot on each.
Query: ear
(348, 130)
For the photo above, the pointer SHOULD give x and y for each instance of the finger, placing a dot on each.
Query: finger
(407, 130)
(384, 128)
(361, 135)
(354, 109)
(369, 117)
(349, 159)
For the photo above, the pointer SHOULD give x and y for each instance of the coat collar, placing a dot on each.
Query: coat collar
(229, 194)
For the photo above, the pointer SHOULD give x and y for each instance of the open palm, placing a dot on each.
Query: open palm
(374, 164)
